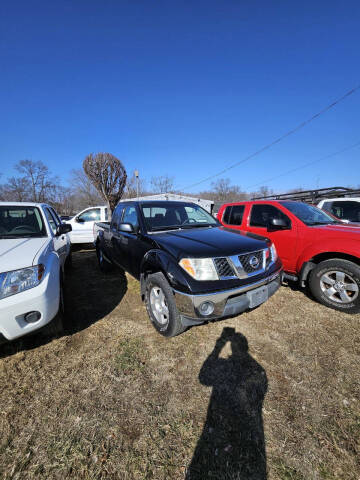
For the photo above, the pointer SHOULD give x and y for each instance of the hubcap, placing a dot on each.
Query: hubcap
(158, 305)
(339, 286)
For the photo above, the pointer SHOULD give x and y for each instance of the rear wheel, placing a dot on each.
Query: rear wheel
(104, 265)
(336, 284)
(161, 307)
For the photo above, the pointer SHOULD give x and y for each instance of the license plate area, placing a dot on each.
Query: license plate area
(258, 296)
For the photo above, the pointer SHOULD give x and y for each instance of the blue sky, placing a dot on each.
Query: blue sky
(183, 88)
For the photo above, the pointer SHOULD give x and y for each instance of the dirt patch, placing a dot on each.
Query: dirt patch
(276, 398)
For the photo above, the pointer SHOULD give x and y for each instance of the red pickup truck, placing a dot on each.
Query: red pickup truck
(316, 248)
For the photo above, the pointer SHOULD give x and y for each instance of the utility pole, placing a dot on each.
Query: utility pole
(136, 173)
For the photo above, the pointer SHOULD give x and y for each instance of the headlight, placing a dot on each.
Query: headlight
(200, 268)
(273, 252)
(19, 280)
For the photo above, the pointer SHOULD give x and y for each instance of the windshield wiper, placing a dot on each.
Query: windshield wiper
(321, 223)
(30, 235)
(170, 227)
(197, 225)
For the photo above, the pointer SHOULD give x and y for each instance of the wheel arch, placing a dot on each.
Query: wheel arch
(321, 257)
(159, 261)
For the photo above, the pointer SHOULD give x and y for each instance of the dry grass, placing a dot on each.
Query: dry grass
(113, 399)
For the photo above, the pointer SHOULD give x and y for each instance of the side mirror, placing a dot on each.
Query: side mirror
(79, 220)
(63, 228)
(277, 224)
(126, 227)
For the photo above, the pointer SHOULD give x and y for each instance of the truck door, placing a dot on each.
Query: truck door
(60, 242)
(130, 247)
(285, 240)
(83, 225)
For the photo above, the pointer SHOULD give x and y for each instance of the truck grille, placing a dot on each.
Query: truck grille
(223, 267)
(251, 262)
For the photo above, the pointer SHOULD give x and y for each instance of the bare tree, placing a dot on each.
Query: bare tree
(17, 189)
(223, 191)
(63, 200)
(263, 191)
(131, 190)
(83, 191)
(36, 175)
(108, 175)
(163, 184)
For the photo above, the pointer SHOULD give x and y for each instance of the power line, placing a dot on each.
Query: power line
(304, 166)
(279, 139)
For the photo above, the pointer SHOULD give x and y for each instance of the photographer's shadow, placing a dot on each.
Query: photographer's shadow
(232, 444)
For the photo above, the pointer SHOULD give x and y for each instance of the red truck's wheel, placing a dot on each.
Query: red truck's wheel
(161, 307)
(336, 284)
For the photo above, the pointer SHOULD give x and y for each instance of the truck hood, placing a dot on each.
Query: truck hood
(18, 253)
(207, 242)
(344, 230)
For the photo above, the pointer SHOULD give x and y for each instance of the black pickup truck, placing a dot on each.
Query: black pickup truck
(191, 269)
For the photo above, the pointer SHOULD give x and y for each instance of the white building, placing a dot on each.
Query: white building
(206, 204)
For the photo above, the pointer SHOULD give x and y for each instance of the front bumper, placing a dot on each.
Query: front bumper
(227, 302)
(43, 299)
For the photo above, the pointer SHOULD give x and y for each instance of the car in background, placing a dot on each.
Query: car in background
(316, 249)
(65, 217)
(34, 250)
(83, 224)
(345, 208)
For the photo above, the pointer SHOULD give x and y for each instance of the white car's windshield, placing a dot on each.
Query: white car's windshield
(21, 221)
(309, 214)
(169, 216)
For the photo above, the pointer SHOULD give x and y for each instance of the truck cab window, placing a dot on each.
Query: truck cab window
(233, 214)
(130, 216)
(346, 210)
(91, 215)
(116, 217)
(52, 220)
(262, 214)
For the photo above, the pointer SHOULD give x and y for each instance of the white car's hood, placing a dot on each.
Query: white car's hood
(18, 253)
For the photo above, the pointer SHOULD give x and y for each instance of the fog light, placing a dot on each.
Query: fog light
(32, 317)
(206, 308)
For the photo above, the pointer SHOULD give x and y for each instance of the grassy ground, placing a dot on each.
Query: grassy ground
(276, 398)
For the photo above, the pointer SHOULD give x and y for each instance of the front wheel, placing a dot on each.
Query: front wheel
(336, 284)
(161, 307)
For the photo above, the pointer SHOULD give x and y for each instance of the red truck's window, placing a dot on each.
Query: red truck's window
(233, 214)
(261, 215)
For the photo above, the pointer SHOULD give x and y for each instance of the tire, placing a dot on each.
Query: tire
(161, 307)
(104, 265)
(336, 284)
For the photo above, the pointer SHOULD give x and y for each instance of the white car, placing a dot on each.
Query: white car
(345, 208)
(83, 224)
(34, 246)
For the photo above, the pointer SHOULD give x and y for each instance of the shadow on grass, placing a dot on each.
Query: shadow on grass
(90, 295)
(232, 444)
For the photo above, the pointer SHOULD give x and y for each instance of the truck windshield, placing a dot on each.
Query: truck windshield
(169, 217)
(309, 214)
(21, 221)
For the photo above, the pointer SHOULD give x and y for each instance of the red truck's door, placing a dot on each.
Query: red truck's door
(285, 240)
